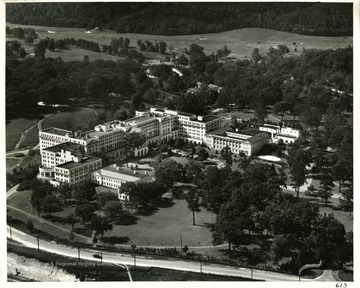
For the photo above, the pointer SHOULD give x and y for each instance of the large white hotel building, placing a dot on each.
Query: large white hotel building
(65, 154)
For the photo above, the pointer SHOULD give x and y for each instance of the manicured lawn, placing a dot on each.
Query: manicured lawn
(166, 225)
(71, 120)
(14, 129)
(163, 227)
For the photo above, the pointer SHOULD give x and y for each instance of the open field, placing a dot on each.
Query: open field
(31, 138)
(240, 41)
(14, 129)
(11, 163)
(163, 227)
(166, 225)
(72, 120)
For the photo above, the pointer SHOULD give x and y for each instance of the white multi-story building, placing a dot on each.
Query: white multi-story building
(247, 142)
(114, 176)
(66, 163)
(286, 134)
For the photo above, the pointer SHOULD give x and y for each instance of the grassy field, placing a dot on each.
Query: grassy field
(72, 120)
(166, 225)
(11, 163)
(163, 227)
(14, 128)
(31, 138)
(241, 41)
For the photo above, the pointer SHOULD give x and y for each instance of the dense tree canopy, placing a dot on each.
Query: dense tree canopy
(188, 18)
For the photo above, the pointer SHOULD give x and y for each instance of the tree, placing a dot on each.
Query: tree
(22, 52)
(132, 141)
(326, 184)
(281, 107)
(72, 220)
(51, 204)
(15, 46)
(194, 172)
(113, 209)
(183, 60)
(279, 248)
(330, 238)
(229, 225)
(29, 39)
(85, 212)
(197, 59)
(39, 191)
(193, 200)
(126, 43)
(51, 45)
(104, 197)
(298, 160)
(340, 171)
(162, 47)
(226, 154)
(39, 50)
(167, 172)
(255, 55)
(202, 154)
(347, 200)
(65, 191)
(100, 225)
(84, 192)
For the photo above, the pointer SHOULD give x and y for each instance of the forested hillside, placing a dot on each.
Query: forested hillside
(326, 19)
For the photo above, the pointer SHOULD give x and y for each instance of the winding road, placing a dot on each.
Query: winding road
(125, 259)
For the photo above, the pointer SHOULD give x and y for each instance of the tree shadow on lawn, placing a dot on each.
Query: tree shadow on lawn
(54, 218)
(321, 203)
(83, 231)
(154, 206)
(112, 240)
(210, 226)
(126, 220)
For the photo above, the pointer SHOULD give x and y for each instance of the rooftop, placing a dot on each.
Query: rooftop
(185, 114)
(258, 137)
(57, 131)
(139, 119)
(206, 119)
(64, 146)
(287, 136)
(73, 164)
(124, 173)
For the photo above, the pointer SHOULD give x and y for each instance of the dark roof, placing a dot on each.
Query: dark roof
(65, 146)
(258, 137)
(73, 164)
(208, 118)
(57, 131)
(186, 114)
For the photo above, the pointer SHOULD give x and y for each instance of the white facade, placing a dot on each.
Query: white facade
(237, 142)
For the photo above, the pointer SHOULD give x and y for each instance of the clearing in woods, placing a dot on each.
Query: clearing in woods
(240, 41)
